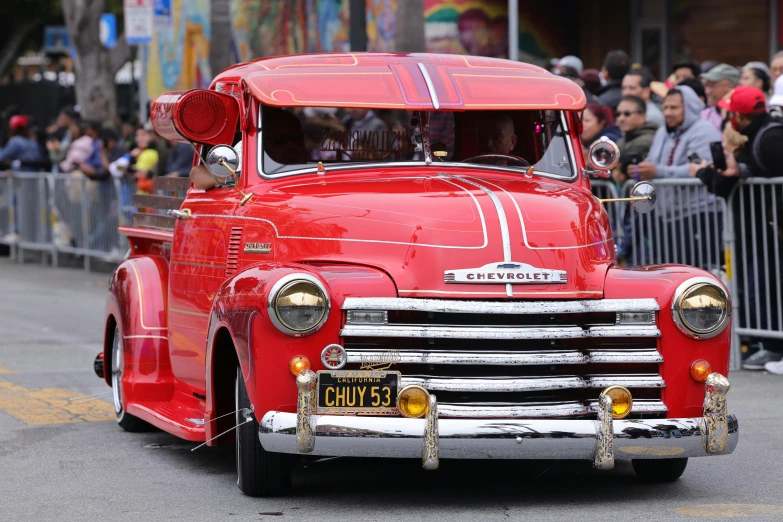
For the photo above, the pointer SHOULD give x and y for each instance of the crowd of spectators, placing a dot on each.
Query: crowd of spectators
(670, 128)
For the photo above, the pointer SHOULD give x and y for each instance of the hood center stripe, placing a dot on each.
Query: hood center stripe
(504, 233)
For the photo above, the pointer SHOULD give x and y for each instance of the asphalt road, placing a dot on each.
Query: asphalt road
(61, 460)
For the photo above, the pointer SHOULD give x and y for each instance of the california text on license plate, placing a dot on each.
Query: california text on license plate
(360, 392)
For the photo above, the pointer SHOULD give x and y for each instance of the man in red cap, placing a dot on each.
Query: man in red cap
(21, 147)
(761, 156)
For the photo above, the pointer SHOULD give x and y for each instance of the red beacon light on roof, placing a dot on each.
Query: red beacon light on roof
(199, 116)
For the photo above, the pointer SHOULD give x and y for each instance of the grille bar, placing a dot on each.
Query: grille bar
(508, 358)
(460, 332)
(540, 410)
(489, 307)
(528, 384)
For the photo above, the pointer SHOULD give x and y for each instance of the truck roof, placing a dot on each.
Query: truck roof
(404, 81)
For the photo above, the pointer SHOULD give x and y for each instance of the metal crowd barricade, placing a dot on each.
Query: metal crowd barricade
(686, 227)
(756, 214)
(607, 189)
(65, 213)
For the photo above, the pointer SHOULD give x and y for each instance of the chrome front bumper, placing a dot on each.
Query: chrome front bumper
(602, 440)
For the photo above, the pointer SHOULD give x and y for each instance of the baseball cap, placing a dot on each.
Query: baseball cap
(573, 62)
(722, 71)
(777, 96)
(19, 121)
(744, 100)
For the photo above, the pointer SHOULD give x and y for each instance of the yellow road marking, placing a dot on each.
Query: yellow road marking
(42, 406)
(730, 510)
(3, 370)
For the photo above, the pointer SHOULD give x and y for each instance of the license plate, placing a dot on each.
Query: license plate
(357, 392)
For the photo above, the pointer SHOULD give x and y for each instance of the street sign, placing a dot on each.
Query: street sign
(162, 14)
(56, 39)
(138, 21)
(108, 30)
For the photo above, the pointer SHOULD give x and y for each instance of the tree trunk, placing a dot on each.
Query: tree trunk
(220, 52)
(410, 27)
(95, 65)
(11, 47)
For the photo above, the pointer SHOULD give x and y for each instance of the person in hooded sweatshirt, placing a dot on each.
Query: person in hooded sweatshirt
(688, 215)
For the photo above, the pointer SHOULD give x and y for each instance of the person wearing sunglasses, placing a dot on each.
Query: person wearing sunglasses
(637, 139)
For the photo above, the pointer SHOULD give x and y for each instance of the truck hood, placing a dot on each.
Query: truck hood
(448, 233)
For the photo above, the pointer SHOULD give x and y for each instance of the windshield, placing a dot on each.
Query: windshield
(298, 139)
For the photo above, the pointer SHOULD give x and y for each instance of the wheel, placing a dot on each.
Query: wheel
(259, 472)
(659, 470)
(126, 421)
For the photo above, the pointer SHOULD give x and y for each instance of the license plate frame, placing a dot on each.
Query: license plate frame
(383, 375)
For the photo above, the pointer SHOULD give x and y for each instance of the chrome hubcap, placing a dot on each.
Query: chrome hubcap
(117, 364)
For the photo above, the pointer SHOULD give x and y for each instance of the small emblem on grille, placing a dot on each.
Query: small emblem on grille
(506, 273)
(380, 361)
(334, 357)
(258, 248)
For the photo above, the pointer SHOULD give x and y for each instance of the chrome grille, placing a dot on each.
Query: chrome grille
(528, 359)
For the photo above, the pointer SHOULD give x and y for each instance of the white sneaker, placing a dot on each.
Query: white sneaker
(774, 367)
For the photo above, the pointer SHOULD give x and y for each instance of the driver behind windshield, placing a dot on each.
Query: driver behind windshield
(496, 134)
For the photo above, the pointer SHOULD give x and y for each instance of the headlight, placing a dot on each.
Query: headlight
(298, 304)
(700, 308)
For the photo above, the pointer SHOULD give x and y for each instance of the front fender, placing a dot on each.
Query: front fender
(682, 395)
(137, 305)
(263, 351)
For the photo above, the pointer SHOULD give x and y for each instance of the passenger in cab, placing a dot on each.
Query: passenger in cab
(496, 133)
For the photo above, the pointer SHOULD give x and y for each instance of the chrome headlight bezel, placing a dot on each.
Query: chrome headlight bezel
(683, 291)
(286, 282)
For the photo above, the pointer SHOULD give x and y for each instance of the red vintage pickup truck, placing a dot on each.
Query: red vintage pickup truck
(399, 255)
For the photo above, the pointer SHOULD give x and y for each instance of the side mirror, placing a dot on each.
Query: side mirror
(223, 161)
(604, 154)
(643, 197)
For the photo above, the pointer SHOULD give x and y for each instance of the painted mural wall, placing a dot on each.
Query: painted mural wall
(178, 57)
(480, 27)
(381, 18)
(275, 27)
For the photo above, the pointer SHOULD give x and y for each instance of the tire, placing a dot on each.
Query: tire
(659, 470)
(126, 421)
(259, 472)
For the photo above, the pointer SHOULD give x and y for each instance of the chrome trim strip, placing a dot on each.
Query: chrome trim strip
(499, 384)
(624, 356)
(513, 410)
(629, 381)
(475, 332)
(524, 384)
(350, 436)
(639, 406)
(430, 86)
(714, 424)
(508, 358)
(475, 357)
(502, 220)
(483, 307)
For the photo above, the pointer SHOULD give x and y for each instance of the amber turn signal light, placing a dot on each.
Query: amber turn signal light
(700, 370)
(622, 402)
(413, 401)
(299, 364)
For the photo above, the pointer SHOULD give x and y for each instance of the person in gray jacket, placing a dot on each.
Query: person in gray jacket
(691, 228)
